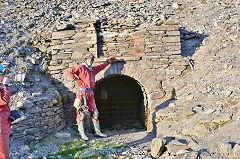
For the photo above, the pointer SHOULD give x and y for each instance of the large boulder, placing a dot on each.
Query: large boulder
(157, 147)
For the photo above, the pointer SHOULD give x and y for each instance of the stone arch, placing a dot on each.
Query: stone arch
(121, 102)
(150, 86)
(151, 56)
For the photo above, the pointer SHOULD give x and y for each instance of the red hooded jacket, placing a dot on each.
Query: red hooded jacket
(4, 123)
(86, 75)
(4, 99)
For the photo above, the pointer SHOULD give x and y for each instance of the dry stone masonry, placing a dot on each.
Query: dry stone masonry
(42, 115)
(150, 55)
(203, 107)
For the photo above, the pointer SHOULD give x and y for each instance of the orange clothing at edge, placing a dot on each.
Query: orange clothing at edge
(87, 80)
(4, 123)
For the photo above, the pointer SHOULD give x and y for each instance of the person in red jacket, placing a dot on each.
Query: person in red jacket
(84, 74)
(4, 115)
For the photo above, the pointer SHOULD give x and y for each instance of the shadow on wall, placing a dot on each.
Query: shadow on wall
(163, 106)
(166, 103)
(67, 97)
(190, 41)
(97, 26)
(115, 68)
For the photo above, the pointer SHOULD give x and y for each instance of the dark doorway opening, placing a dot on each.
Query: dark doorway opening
(120, 102)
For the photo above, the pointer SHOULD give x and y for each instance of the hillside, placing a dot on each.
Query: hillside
(210, 32)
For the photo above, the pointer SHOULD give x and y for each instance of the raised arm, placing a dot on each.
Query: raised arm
(100, 67)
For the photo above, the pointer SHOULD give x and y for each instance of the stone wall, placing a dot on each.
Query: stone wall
(43, 115)
(150, 55)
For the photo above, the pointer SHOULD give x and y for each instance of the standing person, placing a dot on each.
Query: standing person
(84, 74)
(4, 115)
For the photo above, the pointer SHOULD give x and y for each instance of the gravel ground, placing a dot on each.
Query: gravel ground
(137, 140)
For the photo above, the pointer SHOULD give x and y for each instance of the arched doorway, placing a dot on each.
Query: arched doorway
(120, 102)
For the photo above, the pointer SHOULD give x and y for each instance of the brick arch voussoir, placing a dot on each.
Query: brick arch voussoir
(135, 73)
(141, 76)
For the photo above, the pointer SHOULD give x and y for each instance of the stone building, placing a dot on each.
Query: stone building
(129, 91)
